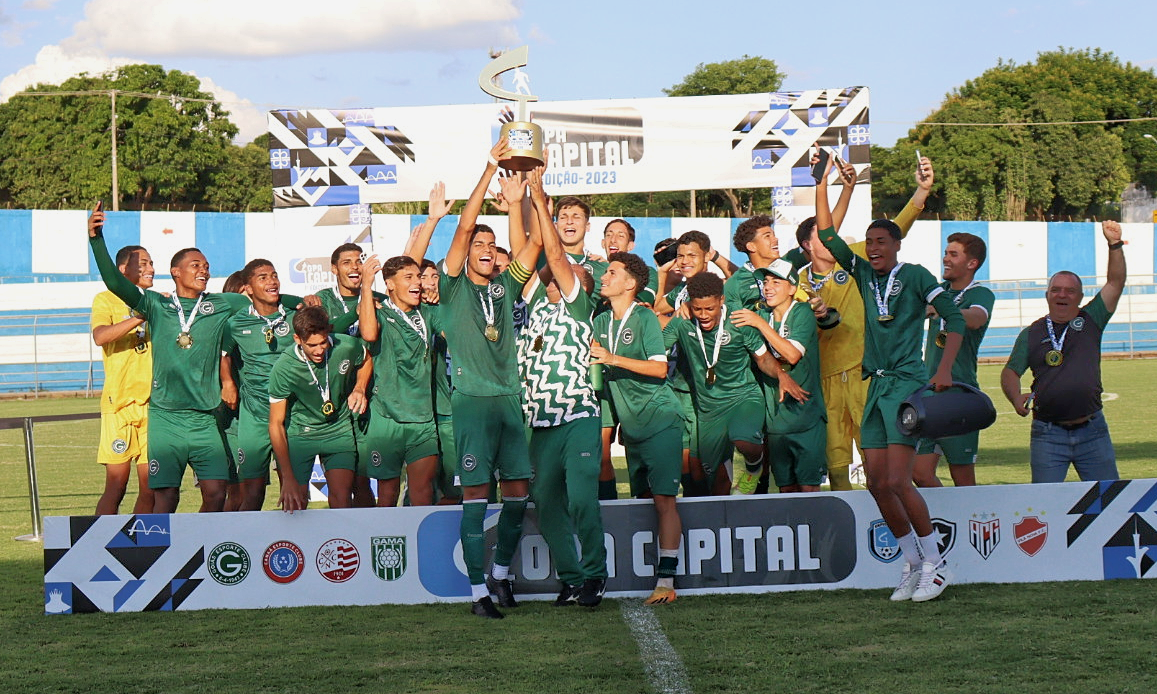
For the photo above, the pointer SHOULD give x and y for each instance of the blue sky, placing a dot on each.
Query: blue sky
(257, 55)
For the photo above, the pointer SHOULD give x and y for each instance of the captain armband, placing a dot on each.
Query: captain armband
(518, 271)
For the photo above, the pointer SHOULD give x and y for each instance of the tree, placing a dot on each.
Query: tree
(1012, 171)
(242, 183)
(56, 150)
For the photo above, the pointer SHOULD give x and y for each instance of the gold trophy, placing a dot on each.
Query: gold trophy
(525, 137)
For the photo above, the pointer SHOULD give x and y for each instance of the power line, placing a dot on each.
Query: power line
(1059, 122)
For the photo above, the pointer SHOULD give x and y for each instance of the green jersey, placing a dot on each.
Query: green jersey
(403, 363)
(679, 369)
(644, 406)
(792, 416)
(727, 349)
(307, 387)
(894, 305)
(481, 367)
(554, 353)
(441, 362)
(343, 310)
(964, 368)
(258, 342)
(743, 289)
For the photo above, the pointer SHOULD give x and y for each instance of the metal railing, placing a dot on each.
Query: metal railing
(48, 352)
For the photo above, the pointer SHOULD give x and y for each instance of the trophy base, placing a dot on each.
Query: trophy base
(520, 163)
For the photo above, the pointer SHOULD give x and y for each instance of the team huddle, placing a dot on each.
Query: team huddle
(504, 376)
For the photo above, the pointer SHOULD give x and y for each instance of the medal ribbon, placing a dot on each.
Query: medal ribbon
(817, 286)
(613, 337)
(718, 342)
(322, 390)
(882, 302)
(758, 281)
(340, 300)
(417, 322)
(181, 312)
(1058, 345)
(487, 302)
(548, 322)
(270, 324)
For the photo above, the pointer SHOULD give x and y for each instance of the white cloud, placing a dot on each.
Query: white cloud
(249, 119)
(54, 65)
(216, 28)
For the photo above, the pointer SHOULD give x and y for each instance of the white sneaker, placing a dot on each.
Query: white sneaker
(908, 582)
(933, 579)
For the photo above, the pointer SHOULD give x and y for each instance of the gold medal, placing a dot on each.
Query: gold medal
(885, 318)
(491, 333)
(268, 335)
(141, 346)
(941, 338)
(184, 340)
(327, 408)
(710, 376)
(538, 344)
(1054, 357)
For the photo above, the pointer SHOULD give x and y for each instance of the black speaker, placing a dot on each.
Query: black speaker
(959, 410)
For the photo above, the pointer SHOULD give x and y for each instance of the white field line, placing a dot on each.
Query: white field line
(664, 668)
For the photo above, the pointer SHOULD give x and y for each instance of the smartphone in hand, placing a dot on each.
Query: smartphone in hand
(821, 166)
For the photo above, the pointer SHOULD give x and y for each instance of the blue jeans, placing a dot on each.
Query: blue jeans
(1087, 447)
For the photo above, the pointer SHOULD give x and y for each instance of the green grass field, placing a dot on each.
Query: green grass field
(1050, 637)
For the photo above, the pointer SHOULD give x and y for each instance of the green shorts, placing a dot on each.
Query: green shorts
(388, 445)
(252, 446)
(607, 412)
(336, 452)
(690, 422)
(655, 463)
(741, 420)
(800, 457)
(490, 436)
(878, 428)
(227, 422)
(180, 438)
(957, 450)
(448, 458)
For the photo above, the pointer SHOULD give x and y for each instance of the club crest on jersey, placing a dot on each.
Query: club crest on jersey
(896, 287)
(1078, 323)
(281, 329)
(120, 446)
(375, 458)
(628, 336)
(496, 290)
(240, 456)
(207, 308)
(469, 462)
(725, 338)
(841, 277)
(344, 367)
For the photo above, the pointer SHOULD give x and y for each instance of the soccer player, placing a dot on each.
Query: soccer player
(489, 431)
(401, 430)
(310, 389)
(563, 412)
(756, 239)
(842, 346)
(895, 295)
(728, 401)
(694, 252)
(123, 337)
(629, 345)
(341, 300)
(187, 331)
(796, 427)
(260, 335)
(226, 410)
(1063, 349)
(963, 256)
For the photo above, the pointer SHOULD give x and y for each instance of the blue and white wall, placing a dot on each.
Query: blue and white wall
(47, 271)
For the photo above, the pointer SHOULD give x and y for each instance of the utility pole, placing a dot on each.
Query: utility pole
(116, 198)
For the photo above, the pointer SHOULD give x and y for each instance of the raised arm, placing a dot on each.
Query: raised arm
(725, 265)
(368, 327)
(925, 177)
(419, 241)
(848, 178)
(456, 255)
(117, 283)
(556, 257)
(827, 233)
(1115, 274)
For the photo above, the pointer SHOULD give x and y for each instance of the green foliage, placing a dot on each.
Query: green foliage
(56, 151)
(746, 75)
(242, 182)
(1018, 172)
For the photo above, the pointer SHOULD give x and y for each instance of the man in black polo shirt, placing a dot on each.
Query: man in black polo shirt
(1063, 349)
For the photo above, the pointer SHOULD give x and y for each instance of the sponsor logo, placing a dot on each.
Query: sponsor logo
(154, 466)
(207, 308)
(311, 271)
(228, 563)
(120, 446)
(375, 458)
(389, 557)
(881, 542)
(984, 534)
(841, 277)
(1030, 534)
(469, 462)
(283, 561)
(496, 290)
(338, 560)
